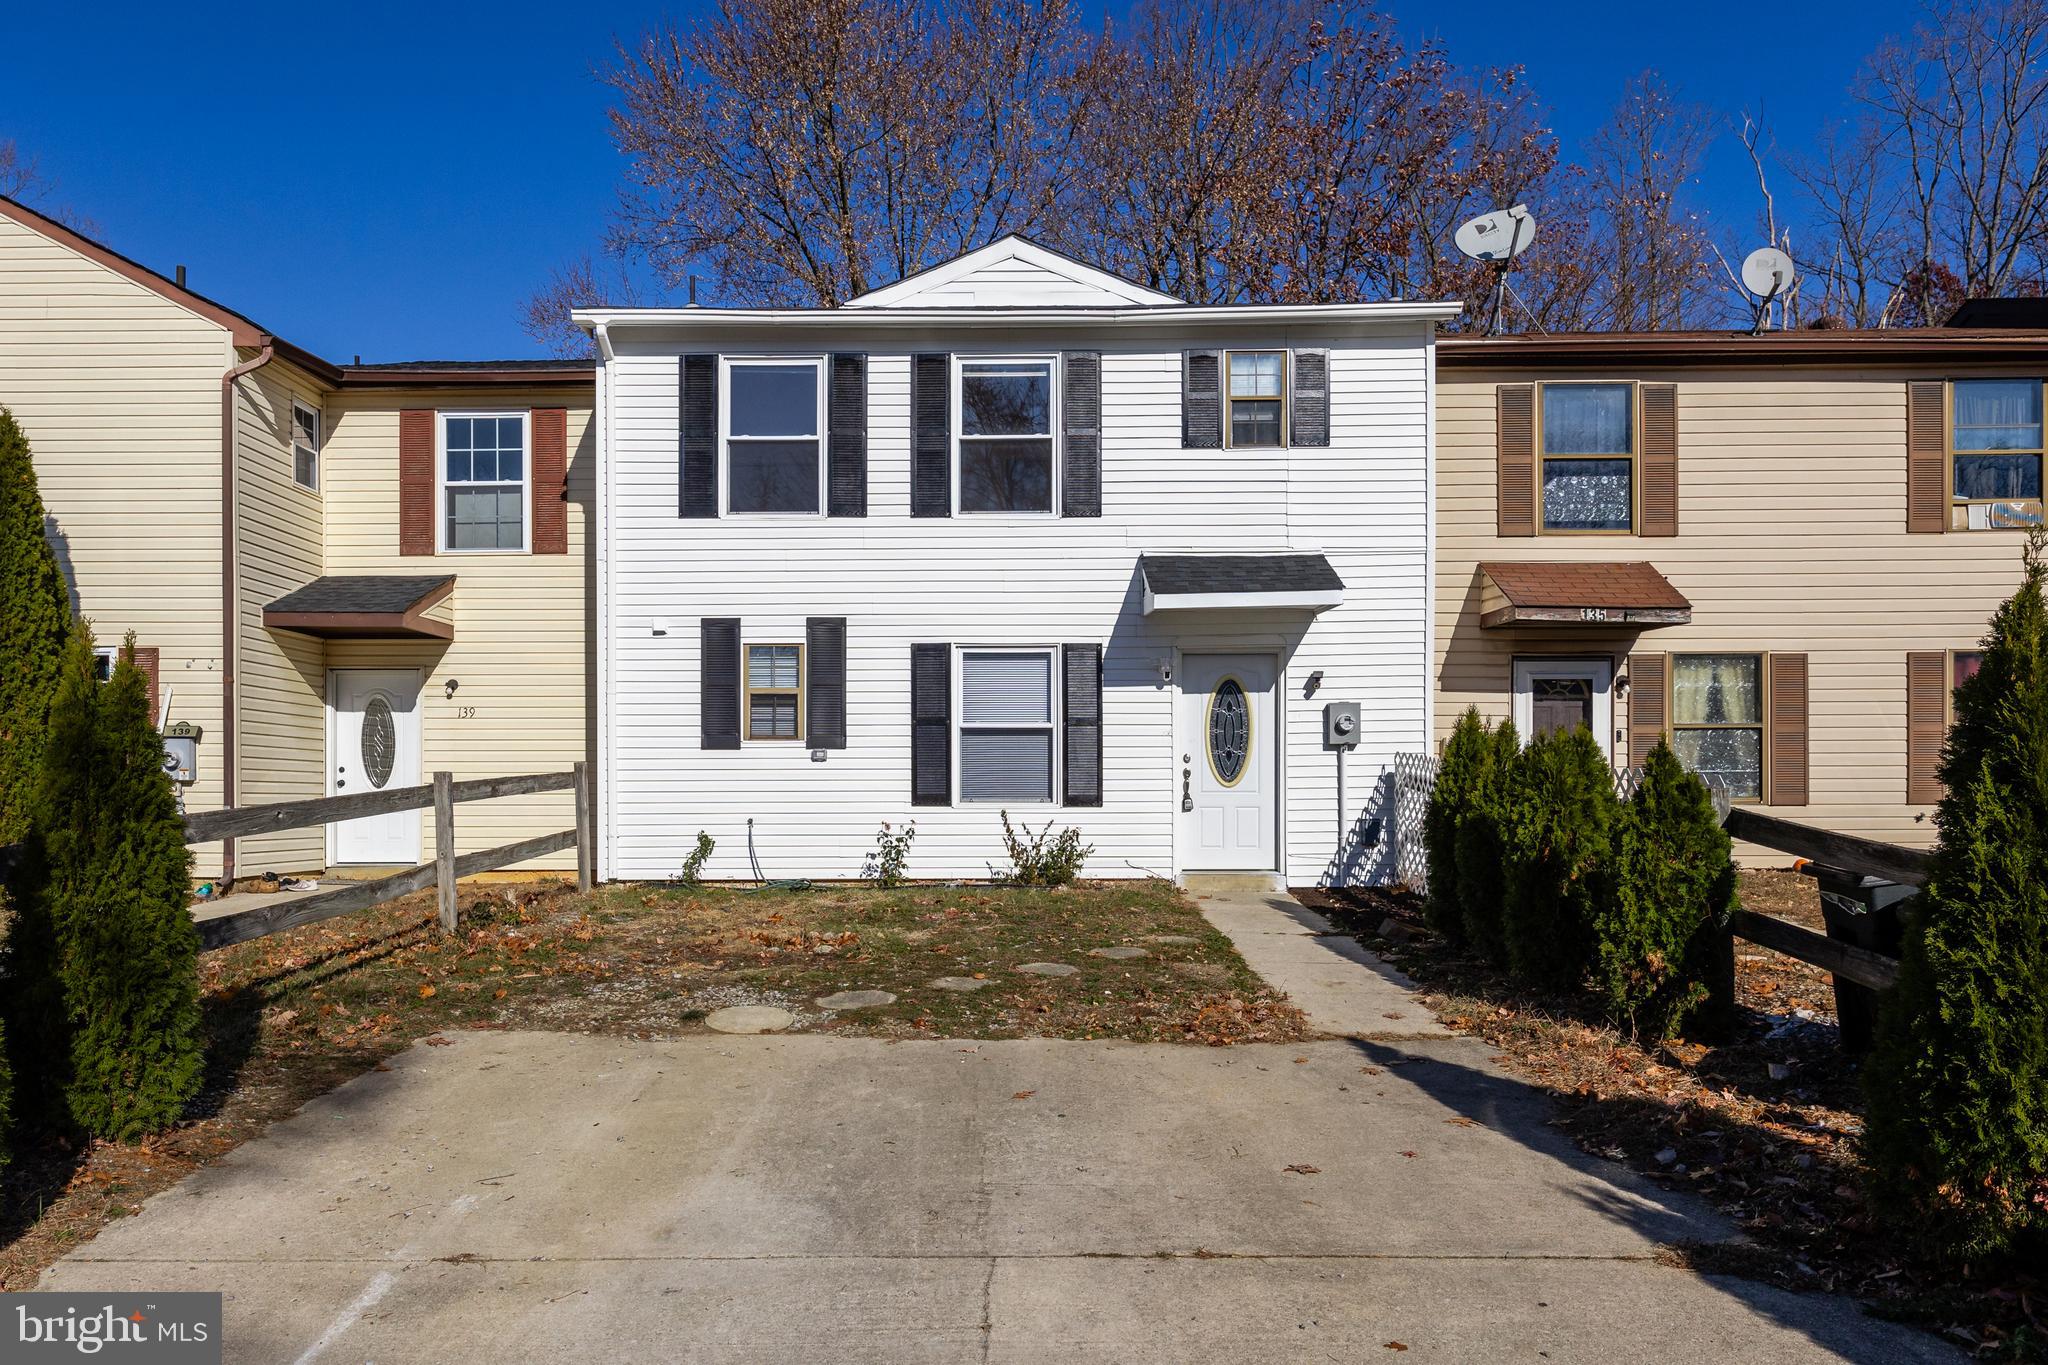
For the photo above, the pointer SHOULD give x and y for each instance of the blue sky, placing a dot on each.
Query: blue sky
(391, 181)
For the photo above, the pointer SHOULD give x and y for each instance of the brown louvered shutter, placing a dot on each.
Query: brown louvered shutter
(1660, 460)
(1785, 736)
(1926, 724)
(550, 481)
(1926, 457)
(144, 657)
(1648, 703)
(416, 481)
(1515, 446)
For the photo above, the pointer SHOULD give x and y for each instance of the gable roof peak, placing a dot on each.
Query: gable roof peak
(1009, 271)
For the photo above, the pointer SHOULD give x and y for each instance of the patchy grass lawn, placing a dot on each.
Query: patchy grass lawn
(1764, 1125)
(292, 1016)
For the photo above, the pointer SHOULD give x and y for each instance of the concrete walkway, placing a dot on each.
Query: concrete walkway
(550, 1197)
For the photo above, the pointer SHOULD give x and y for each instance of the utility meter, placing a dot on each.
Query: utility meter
(181, 751)
(1340, 724)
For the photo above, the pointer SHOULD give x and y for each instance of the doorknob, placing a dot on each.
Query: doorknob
(1187, 796)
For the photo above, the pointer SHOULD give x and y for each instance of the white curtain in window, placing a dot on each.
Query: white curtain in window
(1586, 419)
(1716, 689)
(1006, 689)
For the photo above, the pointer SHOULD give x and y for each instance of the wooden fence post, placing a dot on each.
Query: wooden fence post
(444, 846)
(586, 842)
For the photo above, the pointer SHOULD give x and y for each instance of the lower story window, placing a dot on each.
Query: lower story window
(774, 686)
(1962, 666)
(1717, 726)
(1006, 725)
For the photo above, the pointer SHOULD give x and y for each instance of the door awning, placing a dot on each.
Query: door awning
(368, 607)
(1600, 594)
(1275, 582)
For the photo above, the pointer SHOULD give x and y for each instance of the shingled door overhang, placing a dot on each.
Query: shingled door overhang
(1275, 582)
(366, 607)
(1634, 595)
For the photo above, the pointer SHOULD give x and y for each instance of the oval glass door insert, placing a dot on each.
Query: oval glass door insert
(380, 741)
(1230, 731)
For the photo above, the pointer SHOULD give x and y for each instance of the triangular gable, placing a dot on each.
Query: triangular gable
(1013, 272)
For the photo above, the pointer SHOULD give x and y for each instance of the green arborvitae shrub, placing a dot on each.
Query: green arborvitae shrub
(1481, 877)
(1674, 888)
(113, 885)
(1459, 775)
(1958, 1122)
(35, 616)
(6, 1098)
(1559, 834)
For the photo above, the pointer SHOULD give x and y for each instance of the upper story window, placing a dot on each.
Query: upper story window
(1995, 448)
(1256, 398)
(1006, 725)
(1006, 416)
(774, 688)
(773, 423)
(1717, 719)
(305, 445)
(484, 481)
(1588, 452)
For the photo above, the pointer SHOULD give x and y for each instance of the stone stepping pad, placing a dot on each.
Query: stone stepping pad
(1177, 940)
(749, 1019)
(961, 983)
(1119, 954)
(855, 1000)
(1048, 969)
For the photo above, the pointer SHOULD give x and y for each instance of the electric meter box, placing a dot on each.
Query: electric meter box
(181, 751)
(1340, 724)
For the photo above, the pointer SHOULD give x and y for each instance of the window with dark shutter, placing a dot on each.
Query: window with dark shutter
(1786, 777)
(145, 657)
(550, 490)
(697, 404)
(1081, 414)
(1648, 705)
(1658, 514)
(846, 474)
(931, 725)
(1201, 401)
(1927, 498)
(1081, 716)
(931, 435)
(825, 683)
(1515, 459)
(416, 481)
(1927, 696)
(1310, 418)
(718, 685)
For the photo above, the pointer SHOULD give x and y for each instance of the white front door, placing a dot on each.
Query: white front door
(1229, 777)
(1562, 694)
(374, 743)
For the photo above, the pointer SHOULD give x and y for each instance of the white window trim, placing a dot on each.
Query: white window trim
(1055, 418)
(960, 725)
(1286, 397)
(110, 655)
(319, 442)
(725, 437)
(1599, 671)
(772, 640)
(441, 417)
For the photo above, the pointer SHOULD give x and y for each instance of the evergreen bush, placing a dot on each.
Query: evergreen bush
(1958, 1083)
(1459, 774)
(1674, 888)
(1558, 828)
(1482, 879)
(35, 616)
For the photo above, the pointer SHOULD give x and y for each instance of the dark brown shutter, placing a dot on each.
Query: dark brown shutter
(931, 725)
(1081, 415)
(825, 682)
(697, 405)
(1081, 719)
(1785, 737)
(1649, 707)
(550, 481)
(1926, 456)
(1659, 508)
(1515, 449)
(1309, 418)
(1201, 400)
(144, 657)
(718, 683)
(1927, 687)
(931, 436)
(846, 460)
(416, 482)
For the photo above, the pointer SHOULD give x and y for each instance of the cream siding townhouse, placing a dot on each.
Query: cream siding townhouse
(311, 579)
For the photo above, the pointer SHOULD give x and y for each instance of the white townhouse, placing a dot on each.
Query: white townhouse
(1012, 534)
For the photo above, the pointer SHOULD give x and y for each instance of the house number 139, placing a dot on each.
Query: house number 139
(464, 712)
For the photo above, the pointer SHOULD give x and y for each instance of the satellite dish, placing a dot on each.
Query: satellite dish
(1768, 272)
(1498, 236)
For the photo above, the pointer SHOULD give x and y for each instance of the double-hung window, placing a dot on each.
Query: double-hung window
(1006, 725)
(1995, 449)
(1962, 666)
(1717, 719)
(774, 417)
(305, 445)
(1588, 451)
(1005, 419)
(1257, 398)
(484, 481)
(774, 683)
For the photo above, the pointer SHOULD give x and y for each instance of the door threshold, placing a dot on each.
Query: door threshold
(1225, 883)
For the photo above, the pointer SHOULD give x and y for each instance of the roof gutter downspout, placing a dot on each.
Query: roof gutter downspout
(229, 606)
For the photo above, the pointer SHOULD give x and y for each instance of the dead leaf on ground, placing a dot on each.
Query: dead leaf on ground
(1462, 1122)
(1394, 1345)
(1023, 1094)
(1303, 1170)
(426, 992)
(1411, 1155)
(436, 1040)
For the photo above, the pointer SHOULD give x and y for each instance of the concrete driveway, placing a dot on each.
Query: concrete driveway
(565, 1198)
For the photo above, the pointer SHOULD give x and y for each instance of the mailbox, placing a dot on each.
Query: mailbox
(1340, 724)
(181, 751)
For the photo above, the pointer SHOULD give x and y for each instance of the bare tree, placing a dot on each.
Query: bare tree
(582, 283)
(1651, 271)
(20, 178)
(1855, 203)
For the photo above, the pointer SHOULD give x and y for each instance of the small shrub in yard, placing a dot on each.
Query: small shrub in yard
(1043, 858)
(1482, 882)
(692, 872)
(1958, 1122)
(1458, 777)
(1674, 887)
(35, 616)
(1559, 832)
(885, 866)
